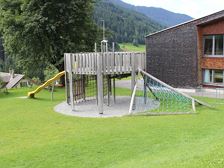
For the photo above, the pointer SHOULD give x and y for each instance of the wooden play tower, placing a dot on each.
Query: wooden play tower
(103, 68)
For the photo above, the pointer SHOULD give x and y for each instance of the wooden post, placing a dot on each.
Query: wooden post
(114, 91)
(66, 80)
(71, 81)
(106, 47)
(100, 83)
(95, 47)
(108, 90)
(96, 86)
(83, 87)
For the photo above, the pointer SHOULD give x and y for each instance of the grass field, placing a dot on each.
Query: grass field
(131, 48)
(33, 135)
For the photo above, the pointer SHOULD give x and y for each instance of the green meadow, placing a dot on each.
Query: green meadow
(32, 135)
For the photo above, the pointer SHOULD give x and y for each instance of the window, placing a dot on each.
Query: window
(208, 76)
(208, 46)
(214, 45)
(219, 45)
(214, 76)
(218, 76)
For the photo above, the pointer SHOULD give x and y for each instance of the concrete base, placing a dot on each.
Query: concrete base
(121, 108)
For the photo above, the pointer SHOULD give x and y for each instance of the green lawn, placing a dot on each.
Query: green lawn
(33, 135)
(131, 48)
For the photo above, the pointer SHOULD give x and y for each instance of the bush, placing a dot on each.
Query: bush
(36, 80)
(50, 71)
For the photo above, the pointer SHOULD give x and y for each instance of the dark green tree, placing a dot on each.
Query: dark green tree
(37, 33)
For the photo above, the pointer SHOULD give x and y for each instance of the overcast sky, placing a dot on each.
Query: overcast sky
(194, 8)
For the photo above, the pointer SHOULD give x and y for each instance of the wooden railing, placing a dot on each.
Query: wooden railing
(111, 62)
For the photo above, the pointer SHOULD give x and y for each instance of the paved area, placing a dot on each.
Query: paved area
(201, 92)
(212, 93)
(118, 109)
(123, 84)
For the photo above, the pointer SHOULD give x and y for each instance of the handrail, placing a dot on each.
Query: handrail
(132, 99)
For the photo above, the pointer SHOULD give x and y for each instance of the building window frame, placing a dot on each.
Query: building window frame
(211, 77)
(213, 46)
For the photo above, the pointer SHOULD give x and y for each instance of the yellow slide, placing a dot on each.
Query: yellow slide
(47, 83)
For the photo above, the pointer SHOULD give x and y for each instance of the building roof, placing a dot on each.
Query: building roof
(5, 77)
(11, 81)
(199, 21)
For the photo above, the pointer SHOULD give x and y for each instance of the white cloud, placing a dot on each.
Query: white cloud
(194, 8)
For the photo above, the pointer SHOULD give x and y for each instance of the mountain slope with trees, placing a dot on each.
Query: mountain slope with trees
(162, 16)
(125, 25)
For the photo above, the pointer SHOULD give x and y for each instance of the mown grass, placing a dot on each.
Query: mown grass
(129, 47)
(33, 135)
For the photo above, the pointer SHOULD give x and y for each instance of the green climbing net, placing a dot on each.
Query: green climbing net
(155, 97)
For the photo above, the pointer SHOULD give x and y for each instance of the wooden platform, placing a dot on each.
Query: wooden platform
(111, 62)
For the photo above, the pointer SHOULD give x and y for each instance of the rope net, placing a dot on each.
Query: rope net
(154, 96)
(85, 87)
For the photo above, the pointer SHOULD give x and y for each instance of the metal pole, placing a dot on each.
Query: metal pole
(133, 77)
(193, 105)
(131, 108)
(52, 91)
(145, 93)
(103, 29)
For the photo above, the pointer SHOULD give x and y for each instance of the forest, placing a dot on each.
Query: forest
(125, 25)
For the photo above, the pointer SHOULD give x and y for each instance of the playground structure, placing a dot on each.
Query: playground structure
(92, 76)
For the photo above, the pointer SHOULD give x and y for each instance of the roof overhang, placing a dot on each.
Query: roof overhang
(211, 21)
(198, 22)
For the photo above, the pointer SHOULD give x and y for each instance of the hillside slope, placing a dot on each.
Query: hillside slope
(162, 16)
(124, 24)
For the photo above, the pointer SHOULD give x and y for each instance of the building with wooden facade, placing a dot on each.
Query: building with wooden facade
(190, 54)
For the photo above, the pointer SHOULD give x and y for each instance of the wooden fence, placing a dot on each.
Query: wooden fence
(111, 62)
